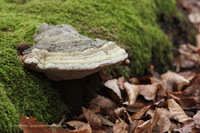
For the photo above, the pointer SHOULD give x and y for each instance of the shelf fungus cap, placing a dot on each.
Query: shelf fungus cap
(62, 53)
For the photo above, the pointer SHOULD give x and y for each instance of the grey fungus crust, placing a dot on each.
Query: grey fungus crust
(62, 53)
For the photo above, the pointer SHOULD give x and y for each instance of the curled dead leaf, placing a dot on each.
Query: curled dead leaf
(173, 78)
(132, 92)
(148, 91)
(115, 92)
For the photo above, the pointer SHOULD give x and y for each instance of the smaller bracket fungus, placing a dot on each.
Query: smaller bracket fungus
(62, 53)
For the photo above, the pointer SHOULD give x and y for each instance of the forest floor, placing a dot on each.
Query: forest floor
(153, 103)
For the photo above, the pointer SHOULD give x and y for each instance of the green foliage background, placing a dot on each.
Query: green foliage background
(129, 23)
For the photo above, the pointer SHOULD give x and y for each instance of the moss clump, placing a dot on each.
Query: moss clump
(31, 94)
(8, 115)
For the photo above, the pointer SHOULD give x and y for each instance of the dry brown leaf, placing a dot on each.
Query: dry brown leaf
(176, 111)
(135, 81)
(120, 82)
(92, 118)
(187, 102)
(135, 107)
(93, 107)
(193, 89)
(115, 93)
(164, 121)
(191, 56)
(140, 113)
(186, 127)
(173, 78)
(196, 118)
(75, 124)
(110, 113)
(148, 91)
(132, 126)
(103, 102)
(105, 120)
(132, 92)
(119, 111)
(155, 119)
(30, 125)
(83, 129)
(142, 80)
(163, 90)
(120, 127)
(198, 41)
(98, 130)
(192, 47)
(144, 128)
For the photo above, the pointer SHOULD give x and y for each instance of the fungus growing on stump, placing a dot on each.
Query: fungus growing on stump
(62, 53)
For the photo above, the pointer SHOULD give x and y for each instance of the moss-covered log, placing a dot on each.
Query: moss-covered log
(130, 23)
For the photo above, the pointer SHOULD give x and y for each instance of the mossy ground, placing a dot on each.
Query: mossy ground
(129, 23)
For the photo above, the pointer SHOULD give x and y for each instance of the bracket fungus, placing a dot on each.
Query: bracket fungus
(62, 53)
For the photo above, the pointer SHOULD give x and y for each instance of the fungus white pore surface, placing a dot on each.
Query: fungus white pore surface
(64, 54)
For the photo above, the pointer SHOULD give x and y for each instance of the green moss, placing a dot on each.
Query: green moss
(8, 115)
(30, 93)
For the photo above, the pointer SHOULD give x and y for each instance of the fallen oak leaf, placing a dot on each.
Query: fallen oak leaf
(176, 111)
(132, 91)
